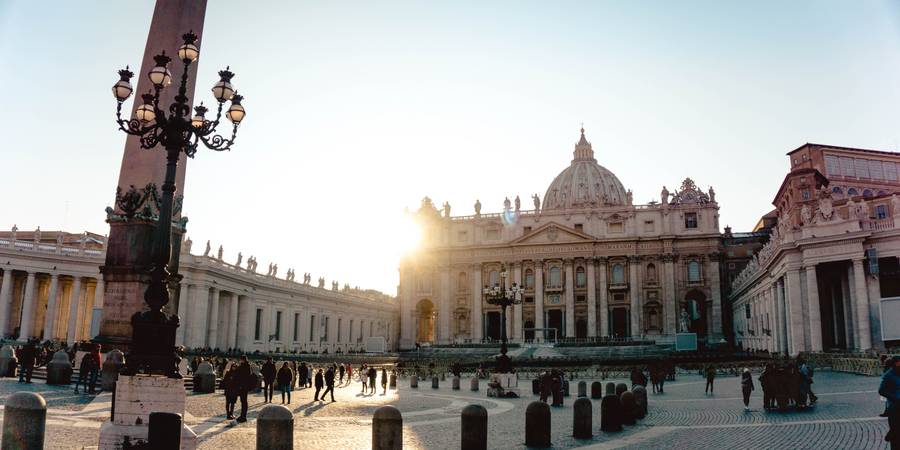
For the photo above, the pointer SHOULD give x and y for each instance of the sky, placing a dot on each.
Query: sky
(357, 110)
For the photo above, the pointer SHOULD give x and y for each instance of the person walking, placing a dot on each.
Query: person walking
(285, 375)
(244, 381)
(746, 387)
(807, 373)
(765, 382)
(710, 377)
(84, 370)
(363, 377)
(373, 375)
(384, 381)
(229, 385)
(890, 390)
(329, 383)
(341, 371)
(296, 374)
(349, 374)
(302, 374)
(320, 381)
(268, 374)
(26, 362)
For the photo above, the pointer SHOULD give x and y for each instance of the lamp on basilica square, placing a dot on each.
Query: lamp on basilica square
(503, 296)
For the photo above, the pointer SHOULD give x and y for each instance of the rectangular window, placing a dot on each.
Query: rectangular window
(747, 310)
(881, 212)
(258, 330)
(890, 171)
(312, 327)
(876, 170)
(339, 330)
(325, 331)
(616, 227)
(862, 168)
(528, 300)
(277, 325)
(296, 327)
(492, 234)
(804, 194)
(693, 271)
(690, 220)
(648, 226)
(580, 299)
(832, 165)
(847, 166)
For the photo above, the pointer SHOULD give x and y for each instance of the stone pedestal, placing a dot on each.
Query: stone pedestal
(686, 342)
(8, 362)
(136, 397)
(111, 367)
(205, 379)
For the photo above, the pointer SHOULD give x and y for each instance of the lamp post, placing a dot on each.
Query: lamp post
(503, 297)
(153, 332)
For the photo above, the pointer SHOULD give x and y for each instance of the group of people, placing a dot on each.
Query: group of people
(785, 385)
(552, 385)
(35, 354)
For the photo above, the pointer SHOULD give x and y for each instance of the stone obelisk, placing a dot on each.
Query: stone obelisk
(128, 253)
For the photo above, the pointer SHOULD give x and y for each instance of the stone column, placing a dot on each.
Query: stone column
(874, 290)
(182, 314)
(669, 291)
(781, 305)
(6, 292)
(517, 309)
(634, 289)
(477, 328)
(244, 332)
(538, 298)
(812, 305)
(861, 300)
(604, 301)
(444, 306)
(716, 291)
(570, 298)
(200, 300)
(591, 299)
(97, 307)
(74, 300)
(213, 335)
(233, 322)
(28, 308)
(795, 311)
(52, 304)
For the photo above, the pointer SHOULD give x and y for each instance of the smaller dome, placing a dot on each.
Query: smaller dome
(584, 183)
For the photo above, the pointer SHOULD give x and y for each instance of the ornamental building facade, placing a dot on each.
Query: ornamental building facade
(593, 264)
(51, 288)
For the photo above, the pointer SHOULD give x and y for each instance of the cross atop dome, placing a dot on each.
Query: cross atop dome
(583, 149)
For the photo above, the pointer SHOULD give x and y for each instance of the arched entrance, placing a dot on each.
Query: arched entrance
(425, 315)
(695, 306)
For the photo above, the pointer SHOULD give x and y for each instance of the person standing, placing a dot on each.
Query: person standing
(329, 383)
(83, 370)
(26, 362)
(341, 371)
(363, 377)
(296, 374)
(349, 374)
(373, 375)
(890, 390)
(268, 374)
(244, 382)
(303, 374)
(285, 375)
(746, 387)
(765, 381)
(320, 380)
(384, 380)
(230, 387)
(710, 377)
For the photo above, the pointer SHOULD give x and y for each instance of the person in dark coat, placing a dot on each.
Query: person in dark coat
(303, 375)
(268, 374)
(765, 382)
(244, 381)
(320, 381)
(384, 380)
(329, 383)
(83, 370)
(373, 374)
(229, 385)
(746, 387)
(890, 390)
(546, 386)
(26, 362)
(556, 387)
(341, 371)
(710, 378)
(285, 377)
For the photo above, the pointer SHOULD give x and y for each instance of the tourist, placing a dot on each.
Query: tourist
(319, 383)
(363, 377)
(268, 374)
(295, 374)
(341, 371)
(890, 390)
(229, 385)
(806, 383)
(765, 381)
(384, 380)
(245, 381)
(638, 378)
(285, 375)
(94, 369)
(710, 377)
(746, 387)
(329, 383)
(546, 385)
(84, 370)
(373, 374)
(349, 374)
(26, 362)
(303, 374)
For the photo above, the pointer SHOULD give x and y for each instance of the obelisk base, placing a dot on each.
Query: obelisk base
(136, 397)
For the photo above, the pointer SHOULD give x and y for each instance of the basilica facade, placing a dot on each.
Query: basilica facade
(592, 263)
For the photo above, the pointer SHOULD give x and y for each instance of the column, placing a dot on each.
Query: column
(198, 312)
(97, 308)
(812, 305)
(50, 315)
(182, 314)
(795, 311)
(783, 334)
(231, 342)
(74, 300)
(874, 290)
(591, 299)
(538, 299)
(6, 291)
(517, 309)
(28, 308)
(244, 333)
(604, 301)
(212, 336)
(634, 290)
(443, 335)
(476, 303)
(669, 292)
(861, 300)
(716, 291)
(570, 298)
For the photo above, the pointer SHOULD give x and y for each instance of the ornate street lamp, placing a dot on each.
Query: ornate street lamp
(501, 296)
(153, 332)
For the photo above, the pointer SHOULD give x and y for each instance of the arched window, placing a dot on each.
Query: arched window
(462, 281)
(494, 278)
(867, 193)
(529, 279)
(693, 271)
(555, 277)
(651, 272)
(618, 274)
(852, 192)
(837, 190)
(580, 277)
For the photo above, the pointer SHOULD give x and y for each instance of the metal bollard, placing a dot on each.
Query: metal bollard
(473, 385)
(414, 382)
(474, 428)
(387, 429)
(582, 389)
(393, 381)
(434, 382)
(275, 428)
(537, 425)
(581, 422)
(455, 383)
(24, 422)
(597, 390)
(164, 432)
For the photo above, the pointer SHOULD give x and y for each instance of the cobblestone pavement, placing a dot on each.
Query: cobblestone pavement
(846, 417)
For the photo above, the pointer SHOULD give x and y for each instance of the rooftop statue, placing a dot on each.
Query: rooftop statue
(37, 235)
(15, 231)
(664, 196)
(506, 204)
(447, 209)
(712, 195)
(537, 202)
(240, 257)
(518, 204)
(188, 243)
(220, 253)
(477, 207)
(208, 248)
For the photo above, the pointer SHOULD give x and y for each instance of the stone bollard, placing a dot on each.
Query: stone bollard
(111, 367)
(628, 408)
(596, 390)
(620, 388)
(537, 425)
(640, 399)
(24, 420)
(59, 370)
(610, 411)
(393, 383)
(474, 428)
(387, 429)
(275, 428)
(434, 382)
(164, 431)
(205, 378)
(582, 389)
(8, 362)
(443, 376)
(610, 388)
(455, 383)
(414, 381)
(581, 422)
(473, 385)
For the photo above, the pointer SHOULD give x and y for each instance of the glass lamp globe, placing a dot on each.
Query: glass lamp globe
(122, 90)
(188, 52)
(197, 121)
(223, 91)
(236, 112)
(160, 76)
(145, 113)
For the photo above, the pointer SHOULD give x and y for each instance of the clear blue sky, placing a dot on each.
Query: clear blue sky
(358, 109)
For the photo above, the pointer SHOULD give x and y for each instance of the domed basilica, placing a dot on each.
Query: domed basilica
(593, 265)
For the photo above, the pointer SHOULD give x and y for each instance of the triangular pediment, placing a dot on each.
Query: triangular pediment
(553, 233)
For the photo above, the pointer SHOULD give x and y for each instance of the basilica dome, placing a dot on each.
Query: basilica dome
(584, 184)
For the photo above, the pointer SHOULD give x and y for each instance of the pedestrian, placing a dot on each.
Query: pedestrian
(341, 371)
(710, 377)
(320, 381)
(349, 374)
(26, 362)
(890, 390)
(746, 387)
(329, 383)
(807, 373)
(384, 381)
(373, 374)
(244, 381)
(302, 374)
(765, 381)
(84, 370)
(364, 378)
(296, 374)
(94, 370)
(285, 375)
(229, 385)
(268, 374)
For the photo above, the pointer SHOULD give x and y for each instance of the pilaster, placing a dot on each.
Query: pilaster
(591, 298)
